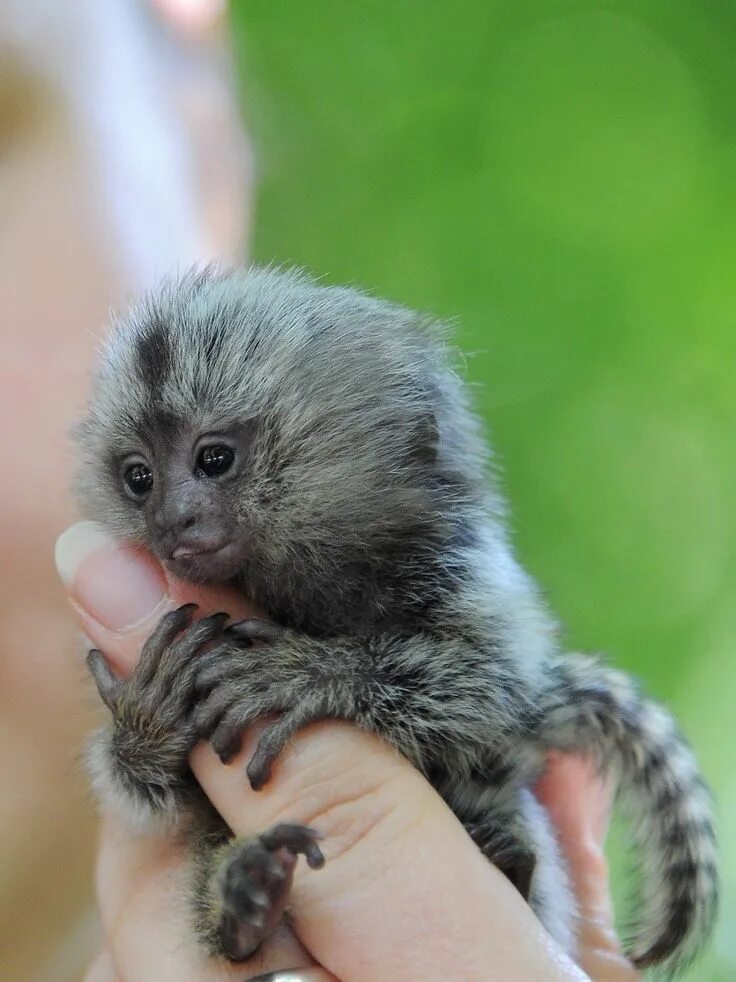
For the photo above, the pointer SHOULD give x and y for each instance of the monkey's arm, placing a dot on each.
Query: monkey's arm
(138, 761)
(438, 699)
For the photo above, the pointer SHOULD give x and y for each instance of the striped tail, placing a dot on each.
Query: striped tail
(589, 707)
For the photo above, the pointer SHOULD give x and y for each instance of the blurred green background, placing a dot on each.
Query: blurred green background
(558, 179)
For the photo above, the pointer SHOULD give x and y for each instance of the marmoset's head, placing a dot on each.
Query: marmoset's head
(255, 426)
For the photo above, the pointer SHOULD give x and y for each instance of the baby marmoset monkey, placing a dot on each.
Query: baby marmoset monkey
(312, 446)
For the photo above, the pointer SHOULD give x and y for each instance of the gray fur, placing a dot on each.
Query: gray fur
(362, 517)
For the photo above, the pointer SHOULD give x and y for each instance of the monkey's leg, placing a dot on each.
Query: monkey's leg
(512, 829)
(139, 763)
(241, 888)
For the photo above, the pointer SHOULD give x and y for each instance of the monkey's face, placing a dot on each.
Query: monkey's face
(183, 490)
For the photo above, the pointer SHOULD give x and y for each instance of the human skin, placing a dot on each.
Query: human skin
(405, 894)
(71, 250)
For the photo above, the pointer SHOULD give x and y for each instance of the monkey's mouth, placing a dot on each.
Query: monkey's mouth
(191, 550)
(204, 562)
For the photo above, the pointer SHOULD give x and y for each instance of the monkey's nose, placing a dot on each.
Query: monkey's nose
(175, 520)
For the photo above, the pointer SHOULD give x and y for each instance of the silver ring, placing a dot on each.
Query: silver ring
(294, 975)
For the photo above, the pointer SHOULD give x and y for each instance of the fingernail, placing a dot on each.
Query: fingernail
(119, 585)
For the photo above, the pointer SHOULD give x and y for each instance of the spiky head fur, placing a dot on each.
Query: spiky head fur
(364, 462)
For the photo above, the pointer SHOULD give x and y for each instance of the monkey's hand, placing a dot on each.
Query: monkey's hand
(432, 697)
(139, 762)
(260, 670)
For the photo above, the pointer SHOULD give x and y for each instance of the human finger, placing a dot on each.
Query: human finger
(579, 803)
(119, 592)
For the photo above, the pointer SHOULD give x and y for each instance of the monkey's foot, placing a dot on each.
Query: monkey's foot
(237, 685)
(253, 882)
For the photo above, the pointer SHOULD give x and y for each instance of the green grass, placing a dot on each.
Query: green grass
(558, 180)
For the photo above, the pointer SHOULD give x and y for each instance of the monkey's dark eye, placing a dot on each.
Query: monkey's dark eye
(138, 480)
(215, 460)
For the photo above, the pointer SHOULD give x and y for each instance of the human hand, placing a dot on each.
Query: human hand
(404, 894)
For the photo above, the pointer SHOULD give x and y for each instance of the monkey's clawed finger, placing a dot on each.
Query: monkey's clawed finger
(108, 684)
(227, 741)
(273, 741)
(297, 839)
(255, 629)
(223, 720)
(209, 712)
(217, 667)
(166, 631)
(183, 650)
